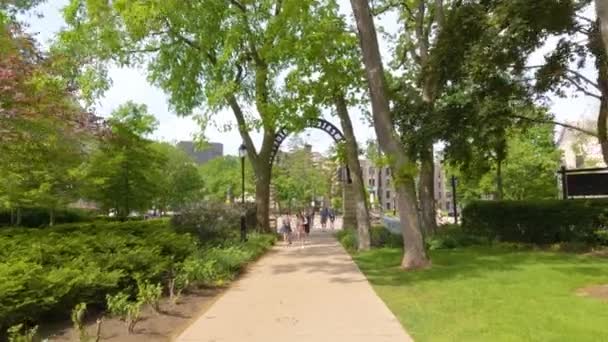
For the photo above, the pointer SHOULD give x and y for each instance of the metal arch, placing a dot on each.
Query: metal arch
(321, 124)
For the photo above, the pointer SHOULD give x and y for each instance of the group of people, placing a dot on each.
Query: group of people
(300, 225)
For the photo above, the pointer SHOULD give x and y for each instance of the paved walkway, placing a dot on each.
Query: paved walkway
(294, 294)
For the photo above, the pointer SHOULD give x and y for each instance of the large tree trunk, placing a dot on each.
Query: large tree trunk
(261, 163)
(601, 7)
(403, 169)
(427, 191)
(352, 158)
(601, 62)
(262, 199)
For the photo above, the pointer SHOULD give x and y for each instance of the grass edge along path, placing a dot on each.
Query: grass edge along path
(485, 293)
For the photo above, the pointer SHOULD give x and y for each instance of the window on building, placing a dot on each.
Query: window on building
(370, 170)
(388, 171)
(388, 181)
(388, 194)
(388, 205)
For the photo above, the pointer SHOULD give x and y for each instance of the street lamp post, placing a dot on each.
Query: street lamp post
(243, 154)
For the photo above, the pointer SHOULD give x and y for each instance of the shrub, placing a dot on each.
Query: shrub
(148, 293)
(19, 333)
(78, 321)
(51, 270)
(348, 239)
(119, 305)
(453, 236)
(539, 222)
(212, 222)
(382, 237)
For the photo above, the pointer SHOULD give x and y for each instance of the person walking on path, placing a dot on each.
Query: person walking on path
(332, 218)
(286, 228)
(300, 221)
(324, 215)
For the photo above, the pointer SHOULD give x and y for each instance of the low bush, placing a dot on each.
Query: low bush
(379, 237)
(48, 271)
(452, 236)
(348, 239)
(382, 237)
(539, 222)
(213, 222)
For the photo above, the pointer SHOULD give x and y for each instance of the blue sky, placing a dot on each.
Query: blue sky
(131, 84)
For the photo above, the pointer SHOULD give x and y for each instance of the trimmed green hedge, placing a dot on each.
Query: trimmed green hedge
(538, 222)
(45, 272)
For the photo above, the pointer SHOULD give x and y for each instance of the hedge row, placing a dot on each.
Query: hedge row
(539, 222)
(45, 272)
(39, 217)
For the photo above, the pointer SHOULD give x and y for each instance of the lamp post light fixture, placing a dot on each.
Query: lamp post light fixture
(243, 154)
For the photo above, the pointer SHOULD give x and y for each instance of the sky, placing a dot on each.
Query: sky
(131, 84)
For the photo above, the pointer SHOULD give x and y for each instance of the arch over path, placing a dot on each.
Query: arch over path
(336, 134)
(322, 124)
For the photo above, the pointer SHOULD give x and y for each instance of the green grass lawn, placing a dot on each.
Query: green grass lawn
(492, 294)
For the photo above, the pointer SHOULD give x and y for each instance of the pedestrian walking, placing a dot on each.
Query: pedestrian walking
(324, 216)
(300, 221)
(286, 228)
(332, 218)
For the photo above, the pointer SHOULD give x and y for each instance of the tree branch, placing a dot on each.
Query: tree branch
(581, 88)
(552, 122)
(240, 119)
(239, 5)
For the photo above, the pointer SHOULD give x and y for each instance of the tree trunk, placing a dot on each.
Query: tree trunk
(19, 217)
(601, 62)
(352, 158)
(402, 167)
(427, 191)
(601, 7)
(499, 187)
(51, 217)
(262, 198)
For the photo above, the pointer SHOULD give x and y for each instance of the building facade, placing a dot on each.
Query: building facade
(579, 150)
(379, 185)
(212, 151)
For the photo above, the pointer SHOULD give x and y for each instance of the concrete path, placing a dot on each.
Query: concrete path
(294, 294)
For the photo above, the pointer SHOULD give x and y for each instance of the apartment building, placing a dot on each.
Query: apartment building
(379, 185)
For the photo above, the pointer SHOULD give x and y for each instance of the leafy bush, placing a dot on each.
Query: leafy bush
(19, 333)
(212, 222)
(452, 236)
(121, 306)
(539, 222)
(53, 269)
(148, 293)
(39, 217)
(382, 237)
(49, 271)
(348, 239)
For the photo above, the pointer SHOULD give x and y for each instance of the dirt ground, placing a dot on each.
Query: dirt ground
(154, 327)
(595, 291)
